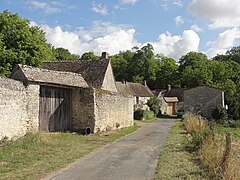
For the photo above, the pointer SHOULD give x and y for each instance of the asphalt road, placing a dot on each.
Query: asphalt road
(133, 157)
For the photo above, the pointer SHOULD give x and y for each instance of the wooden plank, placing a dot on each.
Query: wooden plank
(55, 109)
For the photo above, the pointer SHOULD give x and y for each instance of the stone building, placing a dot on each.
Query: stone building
(203, 100)
(67, 96)
(171, 100)
(141, 93)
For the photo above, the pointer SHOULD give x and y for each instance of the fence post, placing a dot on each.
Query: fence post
(227, 152)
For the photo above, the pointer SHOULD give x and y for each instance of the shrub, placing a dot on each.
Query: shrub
(148, 114)
(138, 114)
(141, 114)
(154, 104)
(198, 137)
(193, 123)
(220, 114)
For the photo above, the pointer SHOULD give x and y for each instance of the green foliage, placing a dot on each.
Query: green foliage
(148, 114)
(89, 56)
(62, 54)
(138, 114)
(141, 114)
(154, 104)
(198, 138)
(21, 43)
(220, 114)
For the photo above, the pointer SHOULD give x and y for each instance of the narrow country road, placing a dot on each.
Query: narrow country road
(133, 157)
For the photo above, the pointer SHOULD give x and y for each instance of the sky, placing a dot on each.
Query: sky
(173, 27)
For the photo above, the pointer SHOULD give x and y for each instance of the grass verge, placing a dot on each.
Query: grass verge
(148, 120)
(37, 154)
(175, 161)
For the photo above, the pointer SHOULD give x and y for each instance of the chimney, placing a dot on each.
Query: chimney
(169, 88)
(145, 83)
(104, 55)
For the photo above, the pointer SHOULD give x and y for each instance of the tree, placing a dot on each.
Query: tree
(62, 54)
(21, 43)
(167, 72)
(89, 56)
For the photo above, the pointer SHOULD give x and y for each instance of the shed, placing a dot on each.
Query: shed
(55, 96)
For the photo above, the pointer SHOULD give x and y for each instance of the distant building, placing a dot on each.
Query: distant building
(203, 100)
(141, 93)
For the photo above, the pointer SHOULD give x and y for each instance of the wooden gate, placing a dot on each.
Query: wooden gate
(55, 109)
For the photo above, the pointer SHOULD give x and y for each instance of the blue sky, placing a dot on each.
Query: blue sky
(173, 27)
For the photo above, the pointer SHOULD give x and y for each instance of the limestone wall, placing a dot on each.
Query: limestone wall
(203, 100)
(19, 108)
(83, 108)
(112, 111)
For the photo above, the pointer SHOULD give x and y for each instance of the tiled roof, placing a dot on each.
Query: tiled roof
(171, 99)
(123, 88)
(32, 74)
(92, 71)
(175, 93)
(140, 90)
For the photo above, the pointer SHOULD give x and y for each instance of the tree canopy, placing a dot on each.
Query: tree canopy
(21, 43)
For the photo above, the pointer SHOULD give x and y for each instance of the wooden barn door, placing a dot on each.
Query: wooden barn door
(55, 112)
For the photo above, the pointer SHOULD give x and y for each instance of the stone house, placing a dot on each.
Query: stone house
(203, 100)
(50, 100)
(141, 93)
(171, 100)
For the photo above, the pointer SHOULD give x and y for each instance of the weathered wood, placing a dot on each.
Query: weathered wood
(55, 109)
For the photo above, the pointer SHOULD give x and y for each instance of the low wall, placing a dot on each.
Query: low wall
(19, 108)
(112, 111)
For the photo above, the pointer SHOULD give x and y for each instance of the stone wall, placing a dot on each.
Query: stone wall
(112, 111)
(83, 108)
(19, 108)
(203, 100)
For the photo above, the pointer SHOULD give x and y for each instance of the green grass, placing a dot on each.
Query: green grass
(37, 154)
(148, 120)
(176, 161)
(235, 132)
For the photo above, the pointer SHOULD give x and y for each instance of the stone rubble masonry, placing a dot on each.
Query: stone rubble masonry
(203, 100)
(113, 111)
(19, 108)
(101, 110)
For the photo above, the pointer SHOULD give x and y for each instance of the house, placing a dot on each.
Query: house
(203, 100)
(171, 99)
(65, 96)
(141, 93)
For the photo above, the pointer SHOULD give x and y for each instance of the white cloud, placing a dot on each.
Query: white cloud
(222, 13)
(196, 28)
(176, 46)
(225, 41)
(179, 20)
(101, 37)
(47, 8)
(167, 3)
(128, 1)
(100, 9)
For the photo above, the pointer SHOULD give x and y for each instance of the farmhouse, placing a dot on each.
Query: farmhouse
(72, 96)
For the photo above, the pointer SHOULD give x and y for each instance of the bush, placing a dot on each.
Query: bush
(193, 123)
(154, 104)
(220, 114)
(148, 114)
(141, 114)
(138, 114)
(198, 137)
